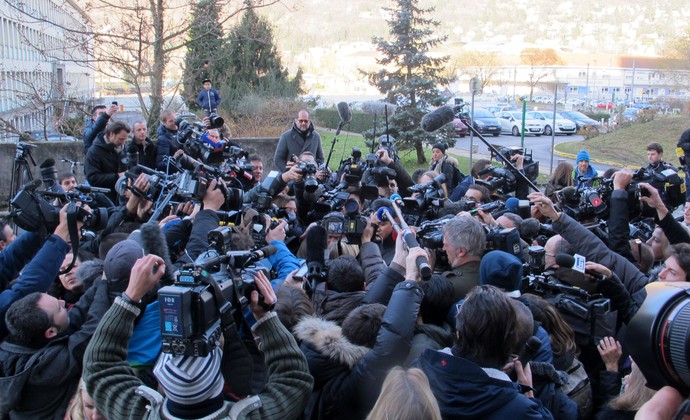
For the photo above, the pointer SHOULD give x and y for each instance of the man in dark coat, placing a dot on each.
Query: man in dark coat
(105, 161)
(167, 138)
(142, 145)
(300, 138)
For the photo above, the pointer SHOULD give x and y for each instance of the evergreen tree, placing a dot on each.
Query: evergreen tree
(254, 63)
(410, 77)
(204, 51)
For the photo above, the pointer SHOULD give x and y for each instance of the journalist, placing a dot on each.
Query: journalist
(193, 385)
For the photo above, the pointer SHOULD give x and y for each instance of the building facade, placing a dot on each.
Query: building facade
(44, 58)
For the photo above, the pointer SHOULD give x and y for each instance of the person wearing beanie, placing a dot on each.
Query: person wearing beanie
(503, 270)
(584, 173)
(444, 164)
(193, 385)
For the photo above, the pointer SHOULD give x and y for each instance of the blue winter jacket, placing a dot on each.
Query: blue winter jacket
(208, 100)
(38, 275)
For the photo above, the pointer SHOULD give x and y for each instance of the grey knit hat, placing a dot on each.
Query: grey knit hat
(118, 264)
(190, 380)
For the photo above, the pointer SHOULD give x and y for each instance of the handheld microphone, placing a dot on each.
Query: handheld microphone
(89, 189)
(317, 244)
(530, 350)
(397, 199)
(437, 118)
(577, 264)
(384, 214)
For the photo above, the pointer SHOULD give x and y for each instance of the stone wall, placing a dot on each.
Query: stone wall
(264, 147)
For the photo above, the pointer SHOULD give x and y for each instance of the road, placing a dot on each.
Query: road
(539, 146)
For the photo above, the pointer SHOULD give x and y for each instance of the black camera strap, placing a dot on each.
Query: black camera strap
(72, 214)
(224, 307)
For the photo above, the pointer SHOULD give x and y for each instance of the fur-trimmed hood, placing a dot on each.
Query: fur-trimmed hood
(326, 338)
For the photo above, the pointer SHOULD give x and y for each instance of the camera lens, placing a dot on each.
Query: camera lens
(658, 335)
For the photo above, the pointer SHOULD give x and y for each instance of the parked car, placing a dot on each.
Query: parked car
(605, 105)
(511, 122)
(485, 122)
(461, 129)
(580, 119)
(642, 105)
(631, 114)
(563, 125)
(575, 102)
(40, 135)
(495, 109)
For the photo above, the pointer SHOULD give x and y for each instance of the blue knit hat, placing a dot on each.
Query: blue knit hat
(582, 155)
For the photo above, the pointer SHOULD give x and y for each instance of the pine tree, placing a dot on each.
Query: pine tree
(204, 51)
(254, 62)
(410, 77)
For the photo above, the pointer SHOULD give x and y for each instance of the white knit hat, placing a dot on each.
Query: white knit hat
(189, 380)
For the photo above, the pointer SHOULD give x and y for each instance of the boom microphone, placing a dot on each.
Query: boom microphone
(344, 112)
(345, 118)
(153, 241)
(378, 107)
(437, 119)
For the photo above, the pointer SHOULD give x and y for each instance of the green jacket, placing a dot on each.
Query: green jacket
(463, 278)
(119, 394)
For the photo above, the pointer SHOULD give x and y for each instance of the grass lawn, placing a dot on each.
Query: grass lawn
(627, 146)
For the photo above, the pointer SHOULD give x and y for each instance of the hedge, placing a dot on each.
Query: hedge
(329, 118)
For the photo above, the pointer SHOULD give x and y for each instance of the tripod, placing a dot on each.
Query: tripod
(21, 171)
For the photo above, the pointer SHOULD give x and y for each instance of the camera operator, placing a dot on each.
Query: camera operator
(459, 191)
(44, 259)
(41, 358)
(402, 178)
(120, 394)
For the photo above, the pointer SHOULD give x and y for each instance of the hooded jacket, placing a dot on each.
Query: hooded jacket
(466, 391)
(295, 142)
(348, 378)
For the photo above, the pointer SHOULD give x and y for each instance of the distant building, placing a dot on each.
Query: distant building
(43, 61)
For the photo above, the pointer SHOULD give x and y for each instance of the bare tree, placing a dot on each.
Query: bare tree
(539, 61)
(42, 98)
(480, 64)
(677, 63)
(137, 43)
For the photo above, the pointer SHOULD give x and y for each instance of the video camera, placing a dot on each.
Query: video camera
(429, 198)
(351, 224)
(196, 308)
(32, 211)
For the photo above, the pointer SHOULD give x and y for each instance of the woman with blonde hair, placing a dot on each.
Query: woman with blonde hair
(634, 394)
(405, 395)
(82, 406)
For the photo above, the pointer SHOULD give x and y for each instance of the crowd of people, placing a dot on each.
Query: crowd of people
(366, 332)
